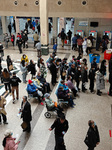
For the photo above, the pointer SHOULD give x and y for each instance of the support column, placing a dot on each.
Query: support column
(62, 24)
(55, 29)
(44, 27)
(4, 24)
(17, 25)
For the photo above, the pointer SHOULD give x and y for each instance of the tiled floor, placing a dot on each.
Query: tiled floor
(88, 106)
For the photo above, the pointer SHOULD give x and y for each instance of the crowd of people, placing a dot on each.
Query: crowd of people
(70, 77)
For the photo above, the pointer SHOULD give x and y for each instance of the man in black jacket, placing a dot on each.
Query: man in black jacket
(92, 136)
(61, 127)
(26, 113)
(14, 81)
(53, 71)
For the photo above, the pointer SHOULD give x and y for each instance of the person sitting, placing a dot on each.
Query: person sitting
(71, 86)
(61, 94)
(45, 85)
(51, 105)
(32, 89)
(65, 87)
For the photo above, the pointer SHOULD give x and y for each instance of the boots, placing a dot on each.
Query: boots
(98, 93)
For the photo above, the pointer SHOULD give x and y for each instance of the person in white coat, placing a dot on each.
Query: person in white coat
(84, 46)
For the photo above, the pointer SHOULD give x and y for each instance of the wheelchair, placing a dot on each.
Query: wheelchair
(30, 96)
(50, 113)
(63, 103)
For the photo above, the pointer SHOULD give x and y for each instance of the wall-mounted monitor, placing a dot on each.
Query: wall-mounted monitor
(94, 24)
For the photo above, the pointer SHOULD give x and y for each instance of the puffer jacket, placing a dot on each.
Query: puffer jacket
(100, 82)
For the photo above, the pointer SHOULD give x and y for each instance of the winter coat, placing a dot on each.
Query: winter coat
(110, 78)
(10, 144)
(92, 75)
(6, 77)
(100, 82)
(63, 35)
(31, 88)
(9, 62)
(2, 104)
(23, 69)
(79, 41)
(26, 59)
(43, 70)
(84, 44)
(93, 137)
(62, 94)
(31, 68)
(49, 103)
(35, 37)
(89, 43)
(64, 86)
(26, 112)
(84, 76)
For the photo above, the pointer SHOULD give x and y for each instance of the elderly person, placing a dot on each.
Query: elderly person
(32, 89)
(51, 105)
(2, 110)
(9, 141)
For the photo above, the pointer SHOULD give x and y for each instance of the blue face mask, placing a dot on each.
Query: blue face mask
(94, 123)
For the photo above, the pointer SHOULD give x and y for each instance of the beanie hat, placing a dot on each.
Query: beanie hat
(29, 81)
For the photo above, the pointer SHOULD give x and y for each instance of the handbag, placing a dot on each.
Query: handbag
(65, 41)
(11, 67)
(86, 140)
(24, 125)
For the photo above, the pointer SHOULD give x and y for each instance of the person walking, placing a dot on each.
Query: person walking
(61, 127)
(10, 28)
(19, 43)
(14, 81)
(36, 38)
(38, 46)
(69, 35)
(23, 68)
(74, 42)
(9, 142)
(26, 113)
(79, 42)
(2, 110)
(92, 138)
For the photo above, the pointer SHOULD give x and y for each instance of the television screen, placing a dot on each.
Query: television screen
(94, 24)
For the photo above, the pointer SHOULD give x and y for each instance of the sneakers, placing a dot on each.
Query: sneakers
(13, 101)
(42, 103)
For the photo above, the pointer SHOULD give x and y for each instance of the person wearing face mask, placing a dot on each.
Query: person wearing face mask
(92, 78)
(92, 138)
(9, 142)
(84, 46)
(94, 64)
(25, 58)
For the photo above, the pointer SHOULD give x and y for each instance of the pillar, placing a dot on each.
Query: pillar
(44, 27)
(62, 24)
(55, 29)
(17, 25)
(4, 24)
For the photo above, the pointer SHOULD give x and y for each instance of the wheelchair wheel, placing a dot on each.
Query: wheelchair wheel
(47, 115)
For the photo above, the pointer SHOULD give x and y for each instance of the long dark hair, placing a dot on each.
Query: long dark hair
(4, 142)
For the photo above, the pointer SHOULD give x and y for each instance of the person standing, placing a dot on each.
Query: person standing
(61, 127)
(92, 78)
(69, 35)
(1, 50)
(74, 42)
(13, 39)
(23, 68)
(6, 39)
(9, 62)
(2, 110)
(84, 46)
(98, 42)
(19, 43)
(53, 71)
(92, 138)
(14, 81)
(26, 113)
(89, 45)
(79, 42)
(9, 142)
(6, 79)
(35, 37)
(10, 28)
(38, 46)
(63, 37)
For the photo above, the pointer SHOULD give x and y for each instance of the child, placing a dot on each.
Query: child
(55, 47)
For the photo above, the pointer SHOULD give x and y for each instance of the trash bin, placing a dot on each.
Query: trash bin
(107, 54)
(92, 56)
